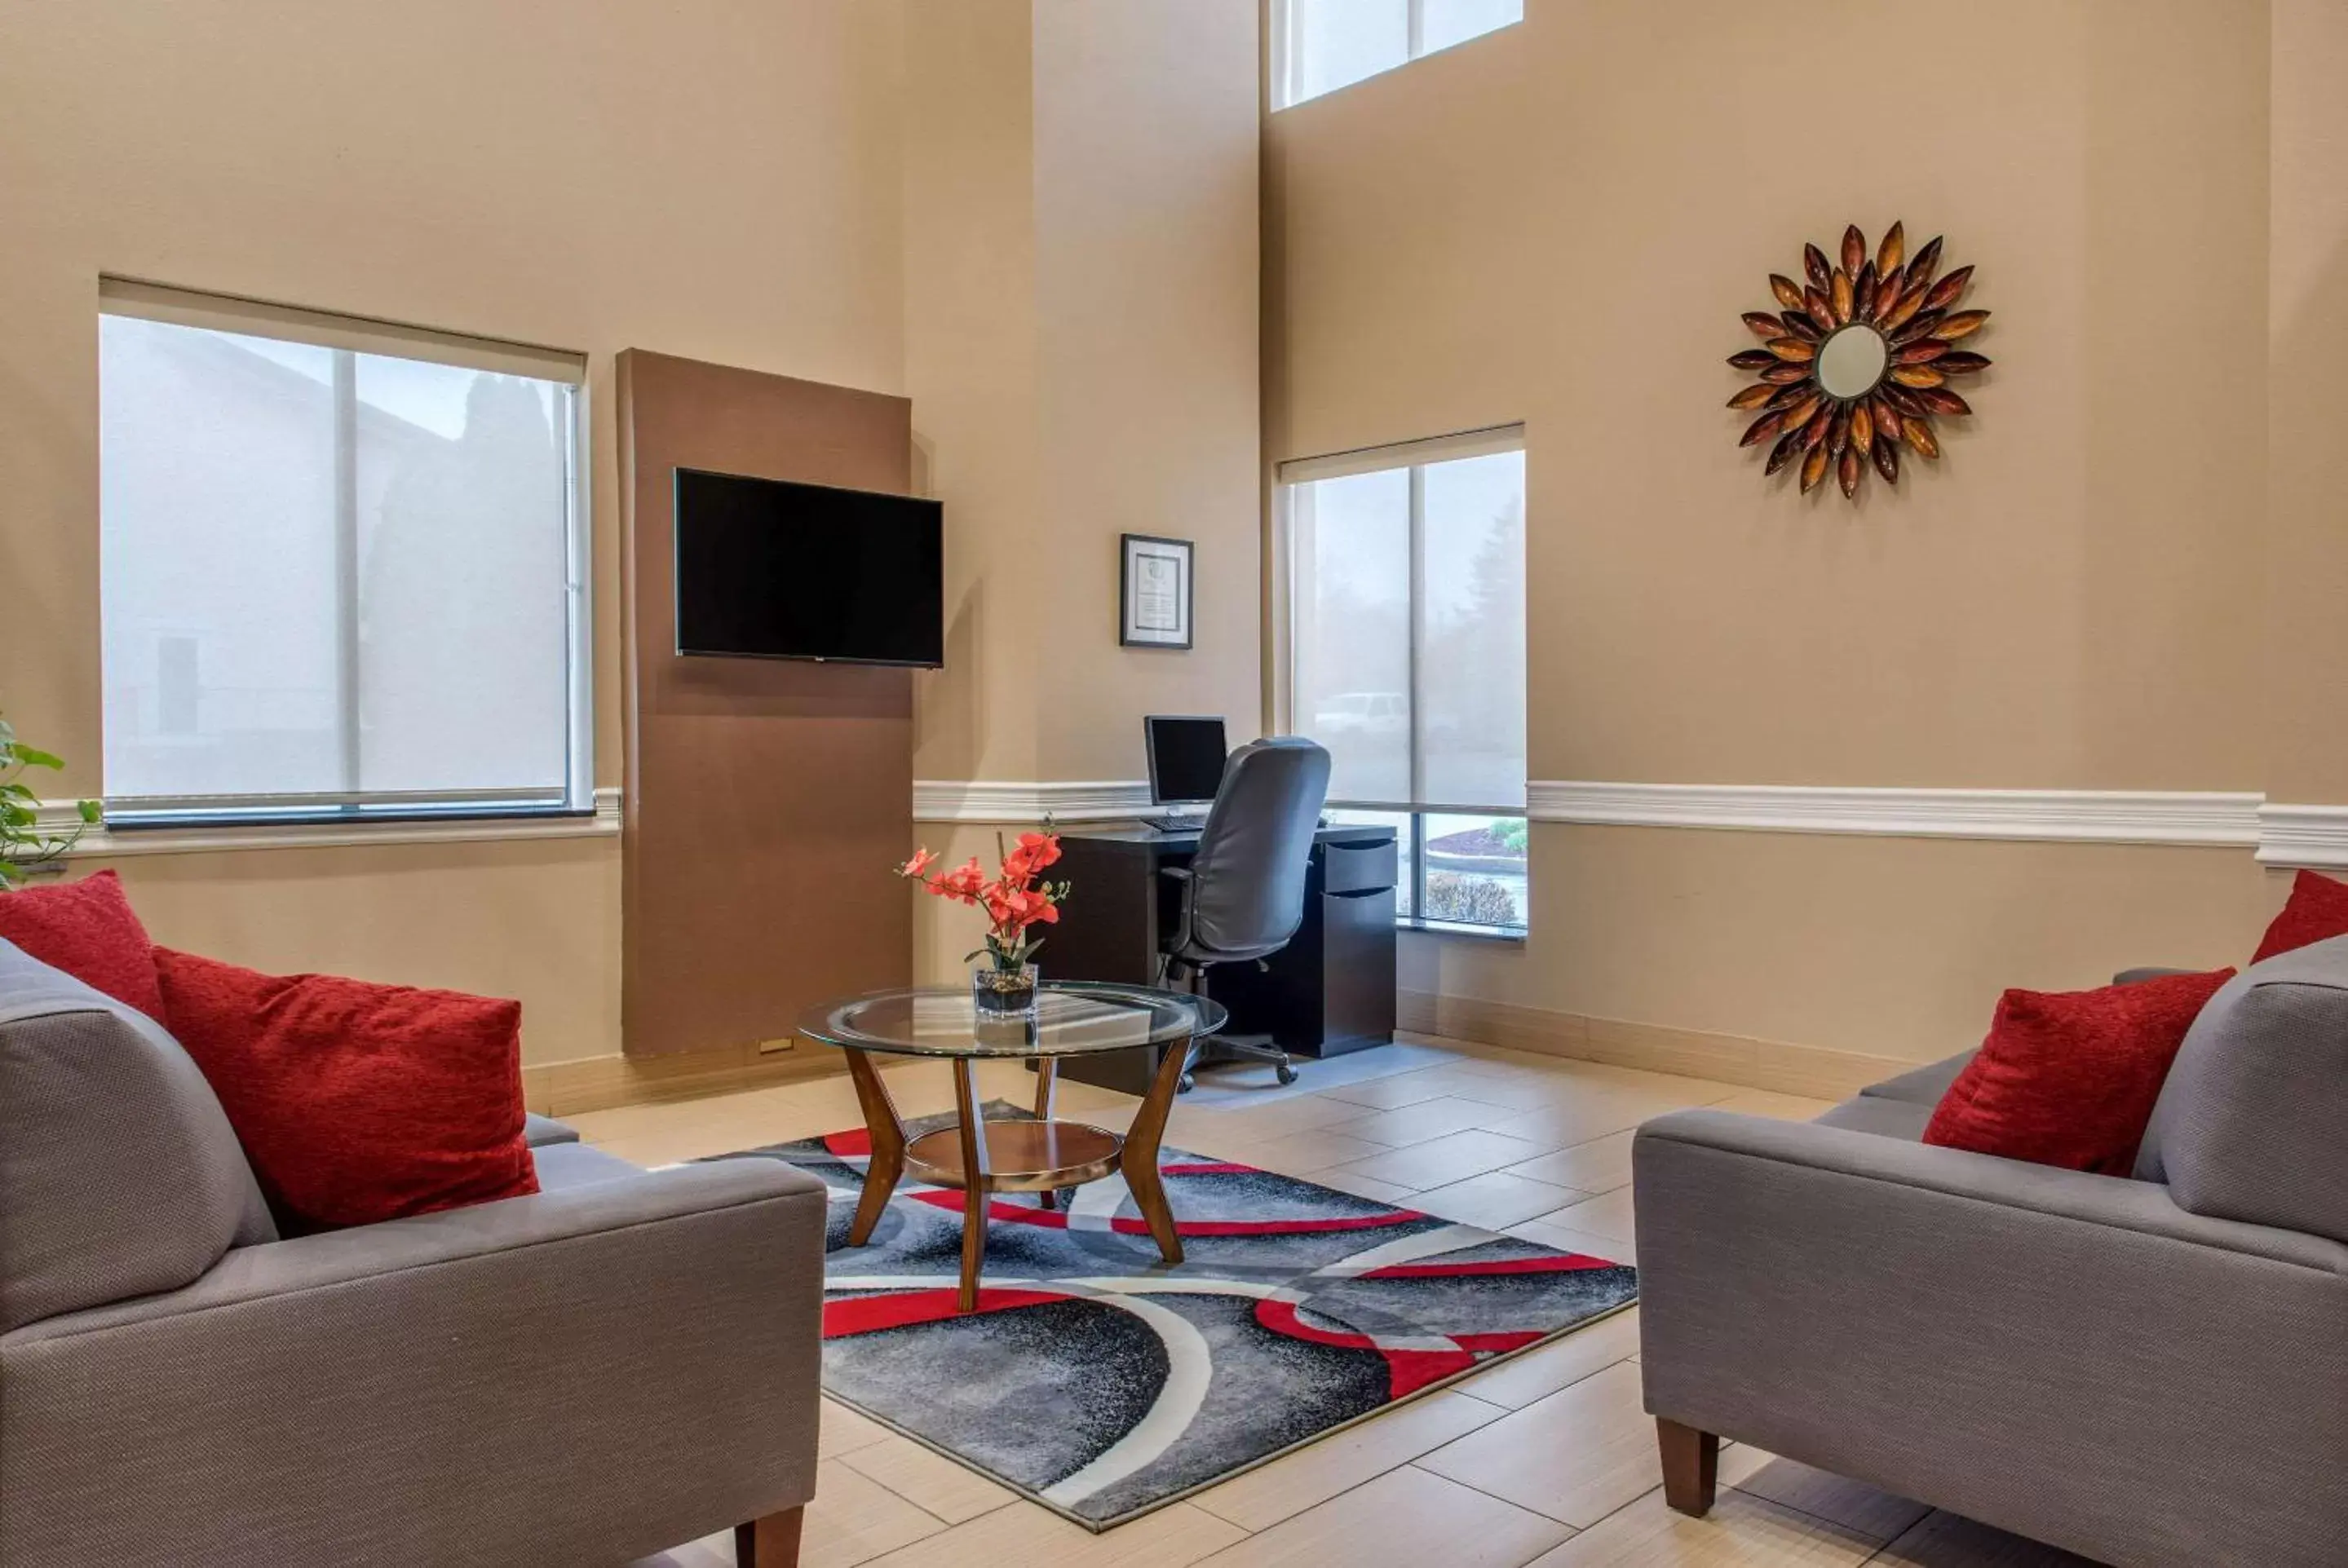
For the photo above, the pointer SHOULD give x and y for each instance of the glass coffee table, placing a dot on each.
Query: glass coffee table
(1070, 1018)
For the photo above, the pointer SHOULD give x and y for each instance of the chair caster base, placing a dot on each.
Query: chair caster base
(1287, 1074)
(1184, 1086)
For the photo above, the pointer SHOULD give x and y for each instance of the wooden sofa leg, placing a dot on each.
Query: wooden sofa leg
(1691, 1466)
(772, 1542)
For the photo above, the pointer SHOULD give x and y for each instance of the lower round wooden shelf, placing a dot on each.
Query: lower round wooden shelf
(1021, 1156)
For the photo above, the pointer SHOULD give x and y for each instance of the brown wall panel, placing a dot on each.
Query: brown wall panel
(765, 798)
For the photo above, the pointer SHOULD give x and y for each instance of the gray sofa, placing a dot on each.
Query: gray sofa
(624, 1362)
(2147, 1371)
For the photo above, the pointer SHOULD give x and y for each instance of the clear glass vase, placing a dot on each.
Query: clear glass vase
(1001, 990)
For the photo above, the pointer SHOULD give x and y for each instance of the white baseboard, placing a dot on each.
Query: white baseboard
(1779, 1065)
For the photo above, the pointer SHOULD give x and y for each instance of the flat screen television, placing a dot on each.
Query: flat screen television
(767, 569)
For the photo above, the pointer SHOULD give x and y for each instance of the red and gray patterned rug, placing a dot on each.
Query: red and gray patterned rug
(1102, 1384)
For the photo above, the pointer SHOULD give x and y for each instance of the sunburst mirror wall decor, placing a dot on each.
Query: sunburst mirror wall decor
(1857, 361)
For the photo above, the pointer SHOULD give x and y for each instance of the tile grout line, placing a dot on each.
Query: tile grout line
(1571, 1530)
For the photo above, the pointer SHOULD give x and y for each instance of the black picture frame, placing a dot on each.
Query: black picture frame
(1151, 611)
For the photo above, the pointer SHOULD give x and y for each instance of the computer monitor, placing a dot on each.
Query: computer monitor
(1185, 758)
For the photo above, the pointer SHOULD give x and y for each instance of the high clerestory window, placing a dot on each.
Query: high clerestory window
(1320, 45)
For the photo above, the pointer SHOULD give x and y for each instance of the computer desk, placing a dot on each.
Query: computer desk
(1329, 991)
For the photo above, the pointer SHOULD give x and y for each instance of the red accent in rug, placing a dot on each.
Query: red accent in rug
(870, 1314)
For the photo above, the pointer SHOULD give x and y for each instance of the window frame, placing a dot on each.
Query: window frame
(1287, 53)
(1417, 457)
(399, 816)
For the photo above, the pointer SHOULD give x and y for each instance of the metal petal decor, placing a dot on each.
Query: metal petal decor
(1855, 364)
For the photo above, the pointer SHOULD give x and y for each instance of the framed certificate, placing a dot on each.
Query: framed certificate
(1153, 598)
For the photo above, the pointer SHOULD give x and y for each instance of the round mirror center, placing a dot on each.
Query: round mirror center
(1852, 361)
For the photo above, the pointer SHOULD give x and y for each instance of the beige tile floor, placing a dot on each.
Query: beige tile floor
(1545, 1459)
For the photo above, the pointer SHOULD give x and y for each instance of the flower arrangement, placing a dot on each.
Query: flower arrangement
(1016, 900)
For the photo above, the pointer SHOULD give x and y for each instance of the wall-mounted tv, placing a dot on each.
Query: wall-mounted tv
(770, 569)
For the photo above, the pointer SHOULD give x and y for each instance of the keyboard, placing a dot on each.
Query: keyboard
(1173, 823)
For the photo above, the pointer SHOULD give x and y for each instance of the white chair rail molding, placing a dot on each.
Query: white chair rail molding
(2282, 834)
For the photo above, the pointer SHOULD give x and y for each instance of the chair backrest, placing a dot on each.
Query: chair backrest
(2250, 1124)
(1246, 888)
(118, 1173)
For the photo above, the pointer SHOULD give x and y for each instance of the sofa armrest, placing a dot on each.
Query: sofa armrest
(586, 1375)
(2067, 1356)
(540, 1131)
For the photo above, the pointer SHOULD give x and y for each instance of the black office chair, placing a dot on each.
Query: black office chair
(1243, 891)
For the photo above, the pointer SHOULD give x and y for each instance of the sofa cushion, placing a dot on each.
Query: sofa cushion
(2317, 911)
(1881, 1115)
(2249, 1125)
(357, 1102)
(2068, 1078)
(119, 1174)
(88, 929)
(1923, 1086)
(561, 1166)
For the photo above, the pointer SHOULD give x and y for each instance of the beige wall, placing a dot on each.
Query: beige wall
(2307, 473)
(1147, 131)
(1558, 223)
(1082, 351)
(1038, 219)
(1081, 290)
(716, 179)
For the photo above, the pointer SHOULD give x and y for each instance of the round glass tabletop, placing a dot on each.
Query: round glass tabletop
(1070, 1018)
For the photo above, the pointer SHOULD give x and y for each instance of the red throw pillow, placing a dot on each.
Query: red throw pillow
(357, 1102)
(2317, 912)
(2069, 1078)
(87, 928)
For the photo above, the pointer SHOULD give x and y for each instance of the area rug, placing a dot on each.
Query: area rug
(1102, 1384)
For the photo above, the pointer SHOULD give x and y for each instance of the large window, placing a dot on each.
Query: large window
(1320, 46)
(341, 567)
(1405, 640)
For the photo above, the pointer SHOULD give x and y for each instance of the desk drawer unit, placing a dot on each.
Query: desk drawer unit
(1368, 868)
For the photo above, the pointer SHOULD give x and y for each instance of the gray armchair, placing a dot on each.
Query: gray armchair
(624, 1362)
(2147, 1371)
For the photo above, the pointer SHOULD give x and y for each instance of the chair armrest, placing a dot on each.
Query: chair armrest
(2057, 1353)
(589, 1374)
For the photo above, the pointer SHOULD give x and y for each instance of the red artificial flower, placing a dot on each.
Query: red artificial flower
(922, 860)
(1020, 907)
(1035, 851)
(965, 882)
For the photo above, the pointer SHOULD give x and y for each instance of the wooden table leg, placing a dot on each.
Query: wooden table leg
(975, 1185)
(1048, 1078)
(1139, 1162)
(887, 1134)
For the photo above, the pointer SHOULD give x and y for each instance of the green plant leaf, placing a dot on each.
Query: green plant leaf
(31, 757)
(89, 811)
